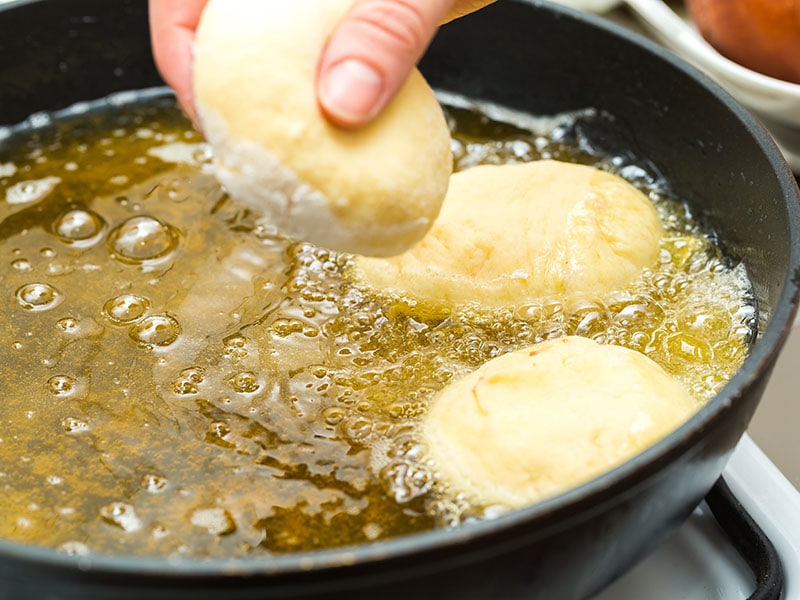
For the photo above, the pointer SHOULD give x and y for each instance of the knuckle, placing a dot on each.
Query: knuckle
(398, 22)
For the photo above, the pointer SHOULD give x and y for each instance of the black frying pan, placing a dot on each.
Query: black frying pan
(531, 57)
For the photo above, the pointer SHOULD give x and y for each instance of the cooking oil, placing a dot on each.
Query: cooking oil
(180, 380)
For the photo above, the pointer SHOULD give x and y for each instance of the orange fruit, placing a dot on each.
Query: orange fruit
(762, 35)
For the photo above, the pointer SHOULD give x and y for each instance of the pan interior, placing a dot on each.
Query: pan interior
(181, 380)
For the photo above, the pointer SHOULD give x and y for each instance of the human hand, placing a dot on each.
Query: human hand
(363, 66)
(172, 27)
(373, 50)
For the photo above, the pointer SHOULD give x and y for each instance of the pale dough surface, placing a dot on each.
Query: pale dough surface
(511, 233)
(372, 191)
(536, 422)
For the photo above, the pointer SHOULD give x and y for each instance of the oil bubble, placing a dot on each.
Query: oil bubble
(682, 347)
(7, 169)
(157, 330)
(73, 425)
(588, 319)
(218, 429)
(406, 481)
(188, 381)
(711, 322)
(126, 309)
(358, 428)
(245, 382)
(372, 531)
(67, 325)
(79, 227)
(333, 415)
(194, 374)
(38, 296)
(638, 314)
(26, 192)
(21, 265)
(122, 515)
(216, 521)
(74, 549)
(285, 327)
(61, 385)
(142, 238)
(159, 531)
(543, 311)
(154, 484)
(235, 346)
(319, 371)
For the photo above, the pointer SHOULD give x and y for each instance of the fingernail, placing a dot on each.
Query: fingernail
(350, 91)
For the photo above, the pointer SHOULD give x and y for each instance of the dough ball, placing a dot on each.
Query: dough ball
(372, 191)
(533, 423)
(508, 234)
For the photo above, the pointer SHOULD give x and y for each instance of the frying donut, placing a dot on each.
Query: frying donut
(533, 423)
(372, 191)
(511, 233)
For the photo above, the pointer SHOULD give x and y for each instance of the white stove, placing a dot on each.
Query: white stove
(699, 562)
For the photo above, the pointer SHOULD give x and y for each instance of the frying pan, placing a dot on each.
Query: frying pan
(531, 57)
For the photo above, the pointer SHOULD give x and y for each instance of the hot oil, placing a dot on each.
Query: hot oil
(178, 379)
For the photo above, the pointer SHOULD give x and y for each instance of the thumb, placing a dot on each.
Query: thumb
(371, 53)
(172, 27)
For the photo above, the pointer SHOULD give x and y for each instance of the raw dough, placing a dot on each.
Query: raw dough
(373, 191)
(533, 423)
(511, 233)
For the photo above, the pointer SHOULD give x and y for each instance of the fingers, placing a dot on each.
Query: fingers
(364, 65)
(172, 27)
(371, 53)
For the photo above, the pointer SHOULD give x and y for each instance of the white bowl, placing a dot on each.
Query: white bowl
(774, 101)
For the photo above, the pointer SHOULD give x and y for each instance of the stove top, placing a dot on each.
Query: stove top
(700, 562)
